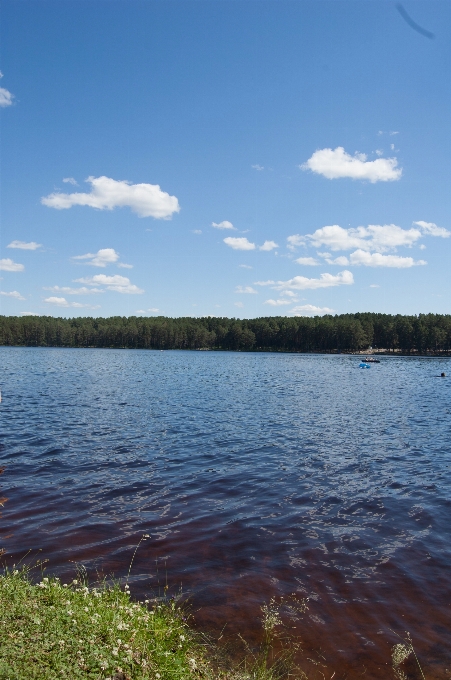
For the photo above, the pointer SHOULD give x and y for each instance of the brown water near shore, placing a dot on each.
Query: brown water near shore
(255, 478)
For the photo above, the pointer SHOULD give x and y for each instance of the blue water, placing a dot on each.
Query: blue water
(255, 475)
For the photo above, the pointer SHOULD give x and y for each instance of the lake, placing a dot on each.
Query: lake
(255, 475)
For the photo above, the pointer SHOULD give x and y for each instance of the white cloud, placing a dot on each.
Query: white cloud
(378, 260)
(295, 240)
(70, 180)
(239, 304)
(66, 290)
(13, 294)
(303, 283)
(374, 285)
(6, 98)
(422, 247)
(101, 258)
(374, 237)
(432, 229)
(197, 231)
(311, 310)
(393, 132)
(307, 261)
(8, 265)
(153, 309)
(120, 284)
(245, 289)
(278, 303)
(268, 245)
(22, 245)
(62, 302)
(245, 266)
(146, 200)
(336, 163)
(123, 265)
(258, 167)
(140, 311)
(379, 152)
(223, 225)
(29, 314)
(239, 243)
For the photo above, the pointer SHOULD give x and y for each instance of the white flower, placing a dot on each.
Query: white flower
(75, 581)
(182, 637)
(45, 580)
(114, 651)
(64, 585)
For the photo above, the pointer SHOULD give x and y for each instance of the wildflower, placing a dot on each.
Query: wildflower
(42, 585)
(182, 637)
(64, 585)
(69, 612)
(45, 580)
(157, 675)
(86, 609)
(193, 664)
(15, 572)
(146, 601)
(75, 581)
(114, 651)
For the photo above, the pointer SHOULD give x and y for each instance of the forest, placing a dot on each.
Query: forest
(422, 334)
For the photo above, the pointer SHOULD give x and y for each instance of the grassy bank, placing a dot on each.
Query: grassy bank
(55, 630)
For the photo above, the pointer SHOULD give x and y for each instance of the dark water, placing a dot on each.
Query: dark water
(255, 475)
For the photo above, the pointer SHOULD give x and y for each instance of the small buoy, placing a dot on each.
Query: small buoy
(442, 375)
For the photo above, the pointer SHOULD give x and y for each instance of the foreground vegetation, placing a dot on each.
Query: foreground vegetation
(422, 334)
(53, 630)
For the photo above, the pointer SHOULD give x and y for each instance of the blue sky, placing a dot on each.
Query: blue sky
(232, 158)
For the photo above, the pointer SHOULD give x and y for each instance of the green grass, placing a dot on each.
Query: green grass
(50, 630)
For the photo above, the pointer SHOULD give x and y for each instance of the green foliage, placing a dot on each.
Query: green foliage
(67, 631)
(426, 333)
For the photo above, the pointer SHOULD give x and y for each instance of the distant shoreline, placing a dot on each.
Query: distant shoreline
(425, 335)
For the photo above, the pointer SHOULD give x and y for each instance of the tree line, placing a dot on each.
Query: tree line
(422, 334)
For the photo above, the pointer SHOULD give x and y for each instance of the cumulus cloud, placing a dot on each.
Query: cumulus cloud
(6, 98)
(120, 284)
(245, 289)
(303, 283)
(13, 294)
(377, 260)
(223, 225)
(311, 310)
(197, 231)
(278, 303)
(432, 229)
(66, 290)
(62, 302)
(258, 167)
(307, 261)
(70, 180)
(239, 243)
(146, 200)
(268, 245)
(336, 163)
(375, 237)
(102, 258)
(23, 245)
(8, 265)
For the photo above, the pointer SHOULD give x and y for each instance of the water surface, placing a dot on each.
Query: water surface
(256, 475)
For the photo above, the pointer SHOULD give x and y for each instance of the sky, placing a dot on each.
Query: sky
(237, 158)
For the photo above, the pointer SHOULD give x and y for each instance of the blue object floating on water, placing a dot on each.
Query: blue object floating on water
(362, 365)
